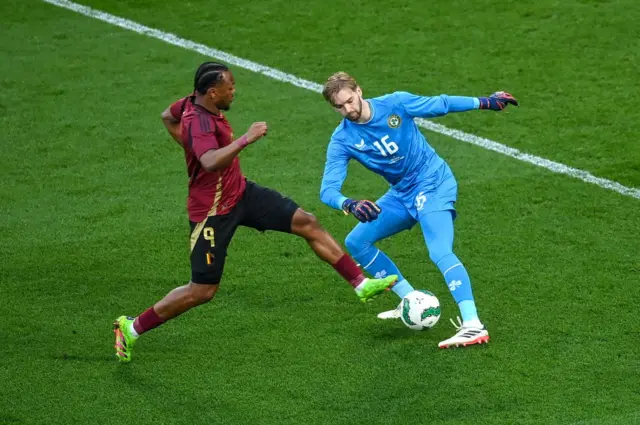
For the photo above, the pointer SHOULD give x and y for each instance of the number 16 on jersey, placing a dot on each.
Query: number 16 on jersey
(385, 148)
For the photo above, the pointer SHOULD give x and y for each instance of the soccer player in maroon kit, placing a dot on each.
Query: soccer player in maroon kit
(221, 199)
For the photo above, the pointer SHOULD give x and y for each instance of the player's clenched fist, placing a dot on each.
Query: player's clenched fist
(364, 211)
(256, 131)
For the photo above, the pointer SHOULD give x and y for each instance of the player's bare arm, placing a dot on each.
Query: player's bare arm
(218, 159)
(172, 124)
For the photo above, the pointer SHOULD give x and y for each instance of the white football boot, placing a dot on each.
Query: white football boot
(391, 314)
(467, 334)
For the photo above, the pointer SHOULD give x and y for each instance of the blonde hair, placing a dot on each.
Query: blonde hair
(337, 82)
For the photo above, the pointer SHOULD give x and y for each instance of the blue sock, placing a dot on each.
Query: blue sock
(458, 282)
(468, 310)
(437, 227)
(380, 266)
(402, 288)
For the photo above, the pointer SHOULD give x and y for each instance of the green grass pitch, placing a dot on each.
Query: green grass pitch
(93, 221)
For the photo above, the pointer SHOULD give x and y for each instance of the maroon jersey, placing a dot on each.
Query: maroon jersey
(214, 193)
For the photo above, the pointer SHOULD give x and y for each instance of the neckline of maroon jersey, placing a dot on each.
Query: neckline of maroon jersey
(197, 105)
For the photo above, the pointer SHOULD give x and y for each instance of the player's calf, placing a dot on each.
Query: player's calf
(184, 298)
(326, 247)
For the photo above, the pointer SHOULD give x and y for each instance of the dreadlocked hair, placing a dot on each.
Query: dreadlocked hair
(208, 74)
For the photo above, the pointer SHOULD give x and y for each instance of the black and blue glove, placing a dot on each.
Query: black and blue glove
(497, 101)
(364, 211)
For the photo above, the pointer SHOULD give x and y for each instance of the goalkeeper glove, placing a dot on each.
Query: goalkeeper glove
(364, 211)
(497, 101)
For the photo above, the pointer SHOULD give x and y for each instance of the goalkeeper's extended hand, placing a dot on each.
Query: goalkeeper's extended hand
(364, 211)
(497, 101)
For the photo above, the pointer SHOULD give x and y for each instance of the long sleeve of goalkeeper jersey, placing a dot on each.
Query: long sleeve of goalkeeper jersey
(335, 172)
(435, 106)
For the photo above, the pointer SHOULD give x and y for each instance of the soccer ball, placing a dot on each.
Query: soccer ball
(420, 310)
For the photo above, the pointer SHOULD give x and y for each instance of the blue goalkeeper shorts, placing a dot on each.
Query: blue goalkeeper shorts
(435, 192)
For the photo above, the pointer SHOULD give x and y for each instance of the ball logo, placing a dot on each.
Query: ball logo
(406, 308)
(430, 312)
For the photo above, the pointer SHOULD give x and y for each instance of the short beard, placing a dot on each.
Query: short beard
(359, 111)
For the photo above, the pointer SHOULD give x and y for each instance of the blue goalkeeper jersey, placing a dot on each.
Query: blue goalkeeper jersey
(389, 144)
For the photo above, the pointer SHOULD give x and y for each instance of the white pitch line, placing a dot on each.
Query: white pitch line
(556, 167)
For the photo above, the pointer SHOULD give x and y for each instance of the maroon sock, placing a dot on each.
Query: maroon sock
(147, 321)
(349, 270)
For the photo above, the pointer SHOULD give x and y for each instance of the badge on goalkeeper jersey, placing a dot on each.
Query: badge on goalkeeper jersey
(394, 121)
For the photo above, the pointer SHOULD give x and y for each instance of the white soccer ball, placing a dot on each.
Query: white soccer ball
(420, 310)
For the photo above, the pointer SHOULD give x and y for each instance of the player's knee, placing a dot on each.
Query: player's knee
(438, 254)
(305, 224)
(312, 222)
(355, 243)
(203, 297)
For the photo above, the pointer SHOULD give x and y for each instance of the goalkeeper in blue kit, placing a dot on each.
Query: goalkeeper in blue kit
(380, 134)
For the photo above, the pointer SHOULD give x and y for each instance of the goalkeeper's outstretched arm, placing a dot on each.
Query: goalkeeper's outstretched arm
(437, 106)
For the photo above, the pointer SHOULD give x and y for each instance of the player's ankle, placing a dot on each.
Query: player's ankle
(132, 331)
(361, 285)
(472, 323)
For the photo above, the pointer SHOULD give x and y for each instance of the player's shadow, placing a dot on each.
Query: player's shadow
(395, 333)
(97, 358)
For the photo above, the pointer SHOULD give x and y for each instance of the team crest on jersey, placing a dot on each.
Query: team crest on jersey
(394, 121)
